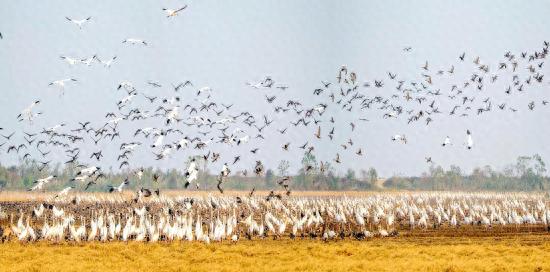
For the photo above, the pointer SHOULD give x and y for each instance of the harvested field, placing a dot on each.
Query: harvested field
(524, 253)
(341, 231)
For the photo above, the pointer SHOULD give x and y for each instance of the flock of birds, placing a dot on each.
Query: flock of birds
(220, 218)
(204, 126)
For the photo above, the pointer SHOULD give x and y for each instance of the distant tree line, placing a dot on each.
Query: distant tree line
(526, 174)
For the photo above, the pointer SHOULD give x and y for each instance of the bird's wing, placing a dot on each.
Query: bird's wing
(182, 8)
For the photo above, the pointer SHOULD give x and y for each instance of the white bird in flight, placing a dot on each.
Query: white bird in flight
(255, 85)
(127, 85)
(119, 187)
(61, 83)
(126, 99)
(27, 112)
(30, 117)
(46, 179)
(37, 187)
(447, 141)
(130, 146)
(79, 23)
(165, 152)
(80, 178)
(64, 192)
(469, 140)
(158, 141)
(173, 12)
(41, 182)
(89, 61)
(89, 170)
(192, 173)
(69, 60)
(398, 137)
(134, 41)
(108, 63)
(54, 128)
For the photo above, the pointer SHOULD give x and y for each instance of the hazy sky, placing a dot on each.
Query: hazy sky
(223, 44)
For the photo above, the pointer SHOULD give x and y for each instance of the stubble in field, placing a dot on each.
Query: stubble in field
(529, 253)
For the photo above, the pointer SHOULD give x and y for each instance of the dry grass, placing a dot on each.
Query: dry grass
(529, 253)
(39, 196)
(467, 248)
(6, 196)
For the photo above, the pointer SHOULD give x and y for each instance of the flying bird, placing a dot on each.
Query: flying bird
(447, 141)
(119, 187)
(79, 23)
(61, 83)
(469, 140)
(173, 12)
(134, 41)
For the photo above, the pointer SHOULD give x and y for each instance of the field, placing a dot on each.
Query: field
(523, 253)
(470, 245)
(41, 196)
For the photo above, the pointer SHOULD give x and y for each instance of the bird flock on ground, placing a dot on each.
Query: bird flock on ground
(220, 218)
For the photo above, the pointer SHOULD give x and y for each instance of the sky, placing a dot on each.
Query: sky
(224, 44)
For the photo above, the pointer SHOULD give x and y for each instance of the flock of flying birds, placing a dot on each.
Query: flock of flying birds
(203, 126)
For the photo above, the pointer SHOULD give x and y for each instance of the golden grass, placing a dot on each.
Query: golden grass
(39, 196)
(528, 253)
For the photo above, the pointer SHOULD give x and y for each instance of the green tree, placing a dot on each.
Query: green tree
(372, 176)
(283, 168)
(269, 176)
(540, 166)
(309, 160)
